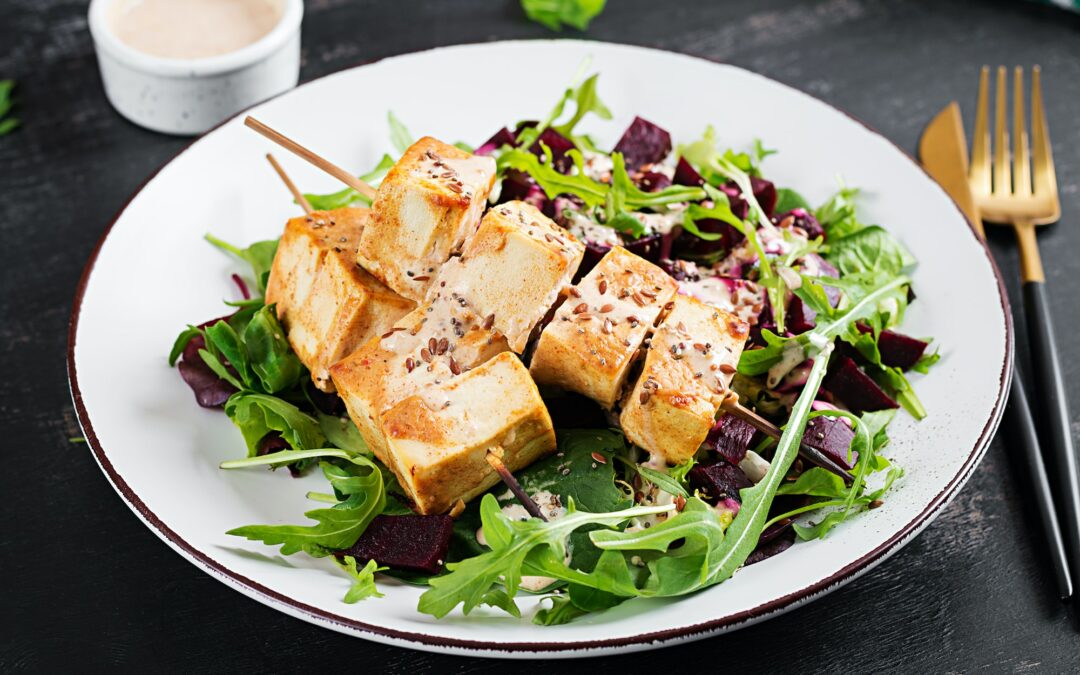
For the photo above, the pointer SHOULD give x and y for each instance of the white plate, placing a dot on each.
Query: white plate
(153, 273)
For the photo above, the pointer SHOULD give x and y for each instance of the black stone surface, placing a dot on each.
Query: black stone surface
(85, 586)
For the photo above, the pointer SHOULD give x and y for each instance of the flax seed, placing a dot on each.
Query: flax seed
(575, 292)
(421, 278)
(454, 367)
(444, 344)
(489, 321)
(607, 308)
(410, 363)
(600, 459)
(727, 368)
(433, 345)
(581, 308)
(643, 398)
(425, 355)
(603, 286)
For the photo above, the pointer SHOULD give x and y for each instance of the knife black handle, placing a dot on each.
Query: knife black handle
(1056, 436)
(1025, 441)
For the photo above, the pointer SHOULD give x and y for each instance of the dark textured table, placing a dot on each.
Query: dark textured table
(84, 585)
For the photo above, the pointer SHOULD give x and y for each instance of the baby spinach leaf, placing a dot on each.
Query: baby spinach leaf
(837, 215)
(870, 251)
(788, 199)
(268, 353)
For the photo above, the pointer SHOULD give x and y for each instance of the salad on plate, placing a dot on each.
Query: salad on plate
(541, 366)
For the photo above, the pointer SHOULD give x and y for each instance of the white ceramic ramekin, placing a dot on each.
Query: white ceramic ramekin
(187, 97)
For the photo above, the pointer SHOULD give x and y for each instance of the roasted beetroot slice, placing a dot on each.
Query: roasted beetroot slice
(559, 145)
(899, 350)
(643, 143)
(685, 174)
(778, 544)
(802, 218)
(408, 543)
(730, 437)
(832, 436)
(593, 253)
(856, 389)
(648, 247)
(502, 137)
(210, 390)
(651, 181)
(765, 194)
(518, 185)
(800, 318)
(721, 480)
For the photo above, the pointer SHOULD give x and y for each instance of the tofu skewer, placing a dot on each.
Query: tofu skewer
(328, 306)
(297, 195)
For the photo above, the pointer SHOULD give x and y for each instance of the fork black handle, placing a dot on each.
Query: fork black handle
(1056, 436)
(1024, 439)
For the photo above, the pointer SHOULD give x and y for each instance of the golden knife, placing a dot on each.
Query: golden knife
(943, 152)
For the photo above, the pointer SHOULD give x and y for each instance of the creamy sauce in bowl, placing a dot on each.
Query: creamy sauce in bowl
(192, 29)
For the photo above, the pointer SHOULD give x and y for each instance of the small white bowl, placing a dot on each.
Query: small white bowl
(185, 97)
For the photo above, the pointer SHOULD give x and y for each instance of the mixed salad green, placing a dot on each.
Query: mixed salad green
(821, 289)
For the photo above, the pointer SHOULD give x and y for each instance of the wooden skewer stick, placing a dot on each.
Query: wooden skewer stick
(811, 454)
(297, 195)
(496, 463)
(324, 164)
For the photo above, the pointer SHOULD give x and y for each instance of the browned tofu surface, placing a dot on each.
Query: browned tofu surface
(437, 439)
(687, 371)
(426, 206)
(326, 303)
(595, 335)
(513, 269)
(424, 349)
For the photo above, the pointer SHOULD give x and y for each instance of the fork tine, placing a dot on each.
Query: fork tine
(1042, 159)
(980, 147)
(1021, 166)
(1002, 173)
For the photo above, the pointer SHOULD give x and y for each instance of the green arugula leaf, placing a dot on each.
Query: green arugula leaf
(399, 135)
(258, 415)
(758, 361)
(363, 585)
(349, 196)
(551, 181)
(561, 611)
(9, 124)
(469, 581)
(816, 482)
(662, 480)
(360, 486)
(837, 215)
(555, 13)
(870, 251)
(259, 255)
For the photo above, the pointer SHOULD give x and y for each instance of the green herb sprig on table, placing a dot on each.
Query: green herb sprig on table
(555, 13)
(7, 102)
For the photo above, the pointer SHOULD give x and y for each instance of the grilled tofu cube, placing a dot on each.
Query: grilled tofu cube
(513, 269)
(429, 202)
(591, 343)
(326, 303)
(687, 371)
(437, 440)
(426, 348)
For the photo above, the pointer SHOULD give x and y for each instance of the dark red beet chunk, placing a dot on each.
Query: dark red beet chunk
(648, 247)
(800, 318)
(408, 543)
(856, 389)
(718, 481)
(730, 437)
(832, 436)
(651, 181)
(800, 217)
(899, 350)
(502, 137)
(643, 143)
(765, 193)
(518, 185)
(687, 175)
(767, 549)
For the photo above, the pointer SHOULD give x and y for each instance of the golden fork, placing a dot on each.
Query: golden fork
(1024, 194)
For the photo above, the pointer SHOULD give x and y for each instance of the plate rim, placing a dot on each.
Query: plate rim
(645, 640)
